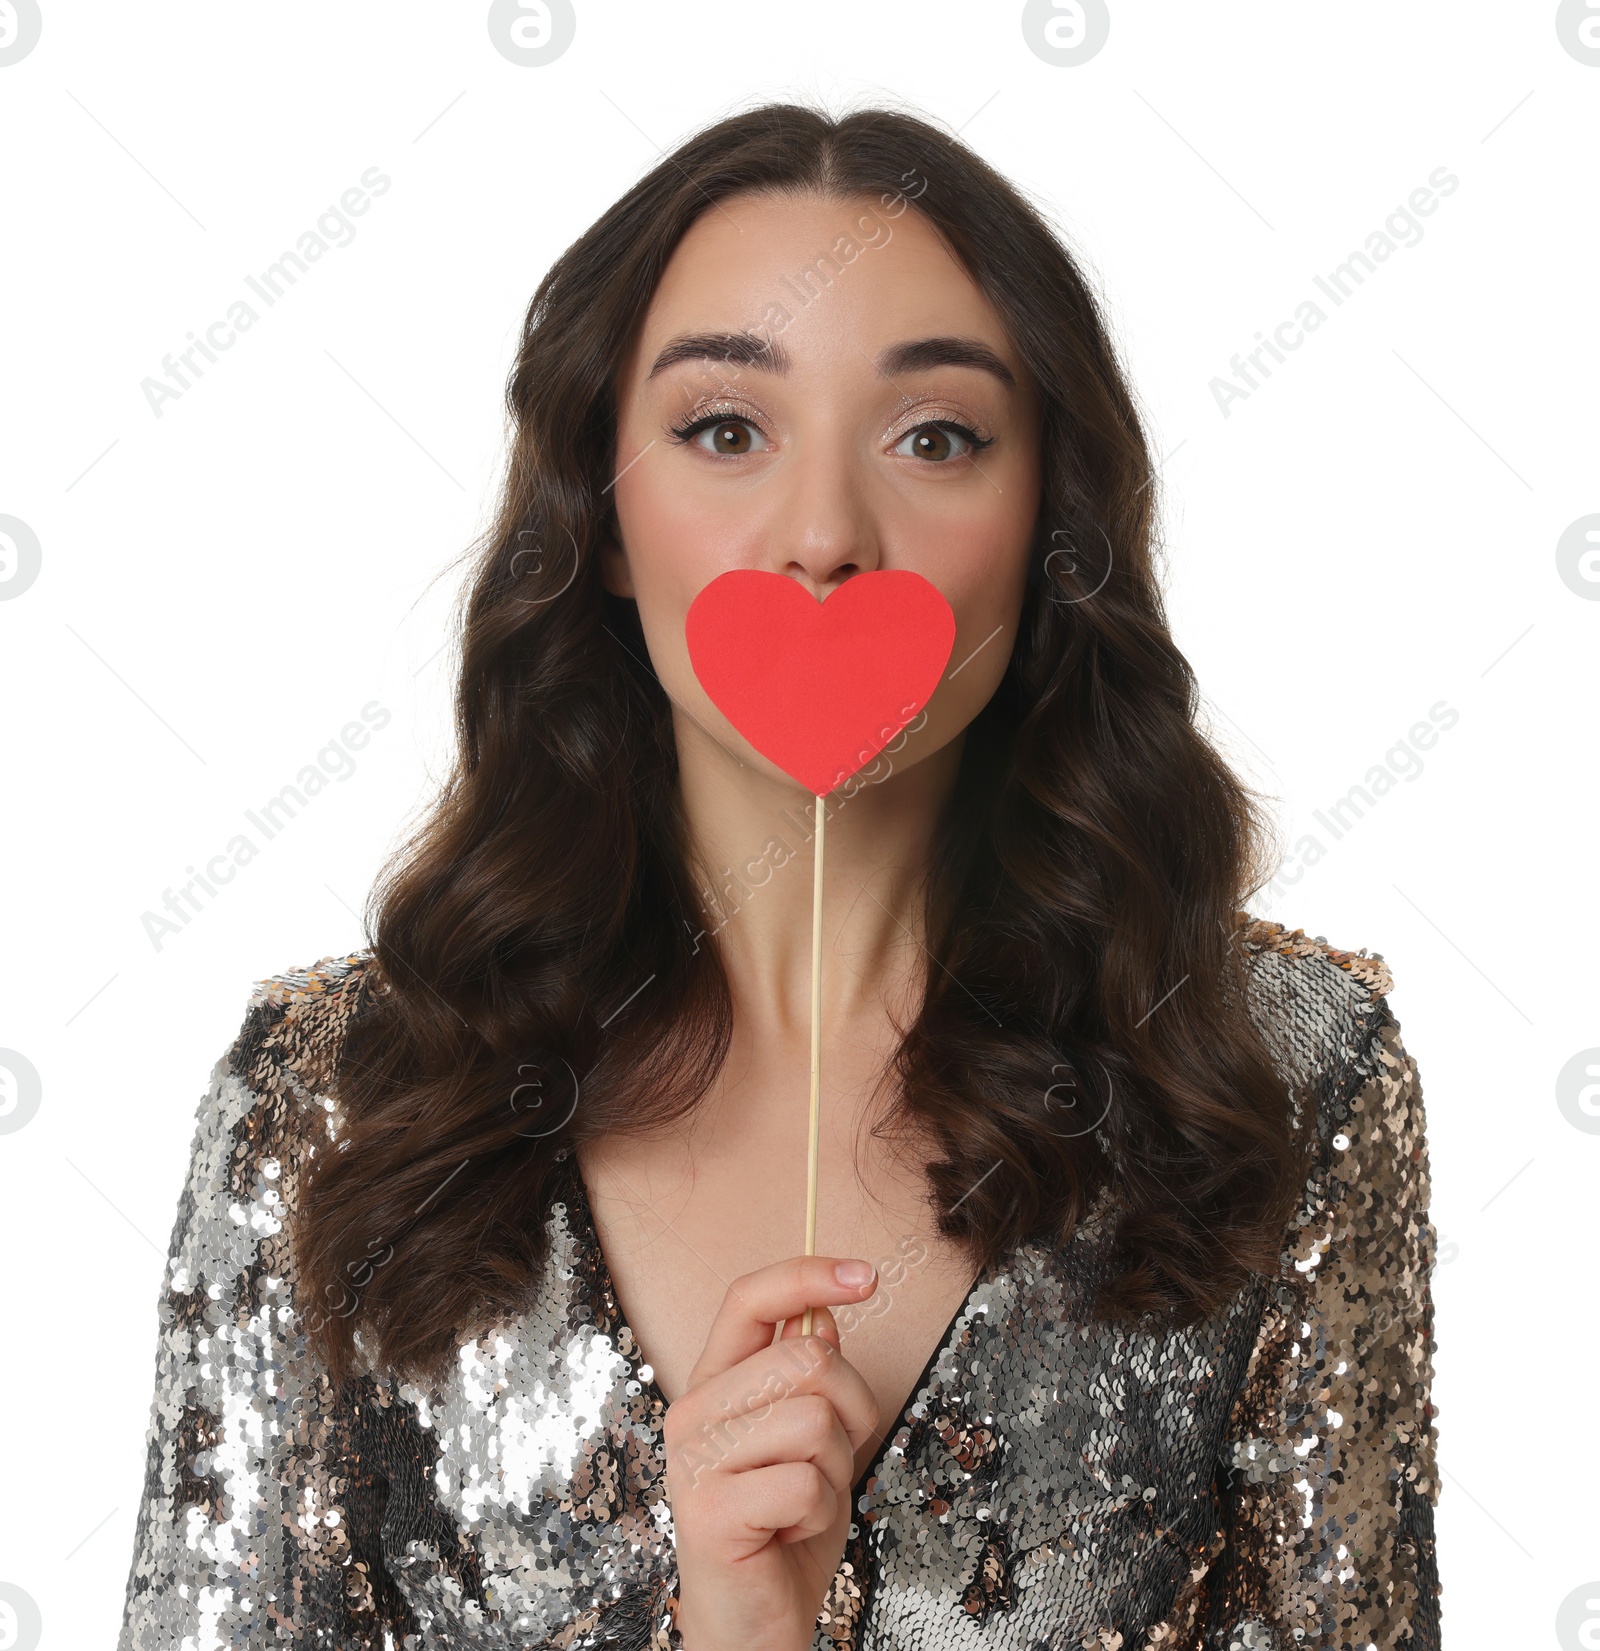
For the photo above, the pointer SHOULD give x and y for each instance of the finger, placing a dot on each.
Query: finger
(801, 1364)
(823, 1323)
(756, 1302)
(804, 1428)
(791, 1498)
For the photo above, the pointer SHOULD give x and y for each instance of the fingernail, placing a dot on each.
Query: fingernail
(855, 1273)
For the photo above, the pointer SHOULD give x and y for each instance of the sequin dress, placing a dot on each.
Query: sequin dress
(1262, 1480)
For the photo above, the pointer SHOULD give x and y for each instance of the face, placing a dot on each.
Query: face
(886, 423)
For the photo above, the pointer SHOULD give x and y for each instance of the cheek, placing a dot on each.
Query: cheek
(984, 574)
(674, 550)
(673, 510)
(984, 578)
(974, 544)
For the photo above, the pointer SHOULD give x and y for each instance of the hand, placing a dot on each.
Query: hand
(761, 1459)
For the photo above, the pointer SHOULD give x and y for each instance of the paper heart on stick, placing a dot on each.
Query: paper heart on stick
(819, 688)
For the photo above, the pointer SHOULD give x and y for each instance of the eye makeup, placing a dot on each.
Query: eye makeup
(704, 418)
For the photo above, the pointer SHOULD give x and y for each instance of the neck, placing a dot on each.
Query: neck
(750, 850)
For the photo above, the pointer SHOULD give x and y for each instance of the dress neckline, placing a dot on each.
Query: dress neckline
(587, 1235)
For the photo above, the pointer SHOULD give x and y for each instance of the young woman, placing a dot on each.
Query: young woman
(482, 1324)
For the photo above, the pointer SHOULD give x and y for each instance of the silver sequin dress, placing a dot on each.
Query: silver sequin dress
(1263, 1480)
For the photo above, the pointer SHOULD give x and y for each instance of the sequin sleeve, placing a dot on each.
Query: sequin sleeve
(1329, 1474)
(256, 1521)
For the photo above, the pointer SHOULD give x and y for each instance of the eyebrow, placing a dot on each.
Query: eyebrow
(748, 349)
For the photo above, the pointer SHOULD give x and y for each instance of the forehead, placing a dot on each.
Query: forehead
(828, 277)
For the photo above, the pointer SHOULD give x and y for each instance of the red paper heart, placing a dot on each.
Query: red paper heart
(819, 687)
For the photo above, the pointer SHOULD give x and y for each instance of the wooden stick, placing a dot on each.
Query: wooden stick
(816, 1045)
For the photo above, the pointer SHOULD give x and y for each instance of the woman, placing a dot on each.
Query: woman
(483, 1318)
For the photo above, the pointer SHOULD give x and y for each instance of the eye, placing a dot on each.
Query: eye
(728, 434)
(937, 442)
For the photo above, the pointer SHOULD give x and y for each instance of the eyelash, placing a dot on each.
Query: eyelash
(684, 433)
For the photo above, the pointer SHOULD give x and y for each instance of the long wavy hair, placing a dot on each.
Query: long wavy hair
(1082, 905)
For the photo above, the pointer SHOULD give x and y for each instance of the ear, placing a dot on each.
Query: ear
(614, 571)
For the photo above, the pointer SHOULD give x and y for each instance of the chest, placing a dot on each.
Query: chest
(1051, 1475)
(678, 1226)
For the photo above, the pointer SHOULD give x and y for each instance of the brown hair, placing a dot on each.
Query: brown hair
(1082, 903)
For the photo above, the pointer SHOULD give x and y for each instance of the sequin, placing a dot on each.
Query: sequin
(1262, 1480)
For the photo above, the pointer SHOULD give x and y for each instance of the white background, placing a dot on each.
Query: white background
(223, 587)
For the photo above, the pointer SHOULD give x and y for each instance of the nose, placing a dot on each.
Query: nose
(824, 530)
